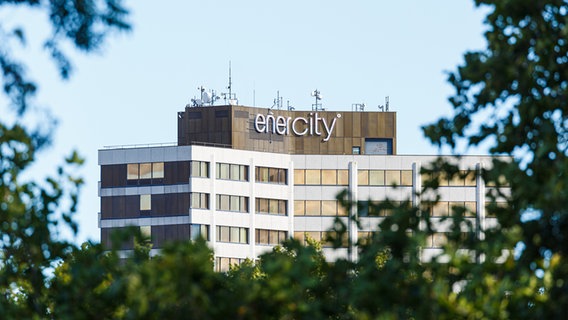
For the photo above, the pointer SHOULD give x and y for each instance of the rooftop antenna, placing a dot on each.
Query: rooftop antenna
(386, 106)
(198, 102)
(358, 107)
(277, 101)
(290, 108)
(230, 96)
(230, 79)
(317, 106)
(206, 97)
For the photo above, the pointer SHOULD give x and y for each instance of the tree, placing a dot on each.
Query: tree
(31, 211)
(518, 87)
(517, 269)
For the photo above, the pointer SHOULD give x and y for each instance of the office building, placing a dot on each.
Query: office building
(246, 178)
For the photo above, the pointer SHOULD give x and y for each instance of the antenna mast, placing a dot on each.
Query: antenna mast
(278, 101)
(230, 96)
(230, 82)
(317, 105)
(386, 106)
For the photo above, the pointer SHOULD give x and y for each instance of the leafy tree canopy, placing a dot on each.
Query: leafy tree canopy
(517, 269)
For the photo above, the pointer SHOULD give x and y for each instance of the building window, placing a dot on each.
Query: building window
(447, 208)
(319, 208)
(158, 170)
(376, 177)
(365, 237)
(329, 208)
(271, 206)
(342, 177)
(270, 237)
(199, 200)
(356, 150)
(232, 203)
(223, 264)
(313, 177)
(271, 175)
(465, 178)
(145, 202)
(392, 177)
(146, 233)
(363, 177)
(199, 169)
(321, 177)
(384, 177)
(329, 177)
(234, 172)
(132, 171)
(378, 209)
(378, 146)
(145, 173)
(232, 234)
(299, 177)
(326, 238)
(199, 231)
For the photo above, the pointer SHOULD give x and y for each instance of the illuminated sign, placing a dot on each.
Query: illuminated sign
(300, 126)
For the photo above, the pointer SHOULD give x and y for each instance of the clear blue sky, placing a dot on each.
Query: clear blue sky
(352, 51)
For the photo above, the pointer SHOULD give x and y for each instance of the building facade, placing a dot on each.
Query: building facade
(247, 178)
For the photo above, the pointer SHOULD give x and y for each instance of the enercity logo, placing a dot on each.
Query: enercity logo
(300, 126)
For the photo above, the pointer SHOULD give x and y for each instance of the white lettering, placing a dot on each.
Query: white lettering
(294, 126)
(284, 125)
(288, 124)
(316, 119)
(281, 125)
(328, 130)
(272, 128)
(259, 123)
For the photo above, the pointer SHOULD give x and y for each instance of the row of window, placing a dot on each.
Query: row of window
(232, 234)
(234, 172)
(446, 208)
(199, 169)
(275, 237)
(271, 175)
(223, 264)
(465, 178)
(232, 203)
(321, 177)
(155, 170)
(340, 177)
(271, 237)
(226, 202)
(241, 235)
(384, 177)
(153, 173)
(326, 238)
(436, 240)
(145, 171)
(199, 200)
(195, 231)
(271, 206)
(318, 208)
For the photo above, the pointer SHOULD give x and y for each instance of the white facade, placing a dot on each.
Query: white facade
(296, 191)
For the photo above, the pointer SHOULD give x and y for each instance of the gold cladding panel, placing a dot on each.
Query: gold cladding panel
(238, 131)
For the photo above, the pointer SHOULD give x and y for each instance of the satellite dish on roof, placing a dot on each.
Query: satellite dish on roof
(206, 97)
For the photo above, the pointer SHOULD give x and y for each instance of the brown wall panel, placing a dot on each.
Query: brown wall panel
(166, 233)
(239, 132)
(113, 175)
(128, 207)
(107, 236)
